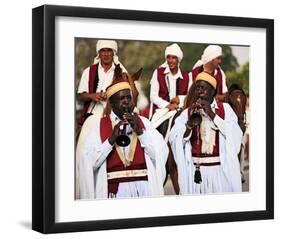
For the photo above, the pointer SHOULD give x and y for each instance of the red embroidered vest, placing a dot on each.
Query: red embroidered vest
(114, 163)
(182, 84)
(181, 88)
(92, 87)
(218, 77)
(196, 139)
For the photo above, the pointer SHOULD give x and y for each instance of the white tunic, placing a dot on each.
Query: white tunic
(215, 179)
(92, 164)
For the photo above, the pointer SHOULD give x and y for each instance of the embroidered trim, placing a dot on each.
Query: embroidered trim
(127, 174)
(205, 160)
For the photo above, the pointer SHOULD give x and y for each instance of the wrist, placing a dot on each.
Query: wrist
(93, 97)
(212, 115)
(139, 131)
(111, 140)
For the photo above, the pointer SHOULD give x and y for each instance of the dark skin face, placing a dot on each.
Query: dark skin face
(204, 93)
(120, 100)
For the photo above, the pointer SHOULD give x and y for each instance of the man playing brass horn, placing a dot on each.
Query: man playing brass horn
(108, 170)
(205, 141)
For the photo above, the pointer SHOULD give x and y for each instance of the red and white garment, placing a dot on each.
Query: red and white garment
(94, 173)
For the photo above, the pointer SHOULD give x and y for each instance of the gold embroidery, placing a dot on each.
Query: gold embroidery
(133, 145)
(127, 173)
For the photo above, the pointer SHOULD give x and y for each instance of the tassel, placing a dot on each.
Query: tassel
(197, 175)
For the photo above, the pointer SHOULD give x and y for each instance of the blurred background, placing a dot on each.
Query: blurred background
(149, 55)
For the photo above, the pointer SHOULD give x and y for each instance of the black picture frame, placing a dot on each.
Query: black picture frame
(43, 117)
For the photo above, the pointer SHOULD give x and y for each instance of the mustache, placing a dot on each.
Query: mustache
(127, 109)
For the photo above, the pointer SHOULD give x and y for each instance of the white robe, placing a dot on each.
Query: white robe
(92, 163)
(215, 179)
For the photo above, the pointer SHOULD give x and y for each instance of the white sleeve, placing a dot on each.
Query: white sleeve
(84, 82)
(224, 86)
(230, 145)
(94, 150)
(101, 153)
(154, 92)
(219, 122)
(190, 80)
(151, 140)
(230, 116)
(181, 149)
(181, 98)
(179, 128)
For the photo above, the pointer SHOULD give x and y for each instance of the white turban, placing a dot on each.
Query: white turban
(111, 45)
(106, 44)
(174, 50)
(211, 52)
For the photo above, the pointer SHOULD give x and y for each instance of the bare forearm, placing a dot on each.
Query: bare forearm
(85, 97)
(96, 97)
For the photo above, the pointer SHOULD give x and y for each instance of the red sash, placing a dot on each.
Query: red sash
(114, 163)
(92, 86)
(196, 141)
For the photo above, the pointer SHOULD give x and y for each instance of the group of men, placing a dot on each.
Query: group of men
(205, 138)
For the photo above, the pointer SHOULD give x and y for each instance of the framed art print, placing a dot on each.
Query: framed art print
(86, 178)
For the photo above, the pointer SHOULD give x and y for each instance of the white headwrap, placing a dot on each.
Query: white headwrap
(173, 50)
(107, 44)
(211, 52)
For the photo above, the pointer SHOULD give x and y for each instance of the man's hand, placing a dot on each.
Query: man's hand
(206, 106)
(175, 100)
(97, 97)
(172, 106)
(195, 117)
(132, 119)
(116, 131)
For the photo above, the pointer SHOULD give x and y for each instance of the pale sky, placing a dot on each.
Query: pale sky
(242, 53)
